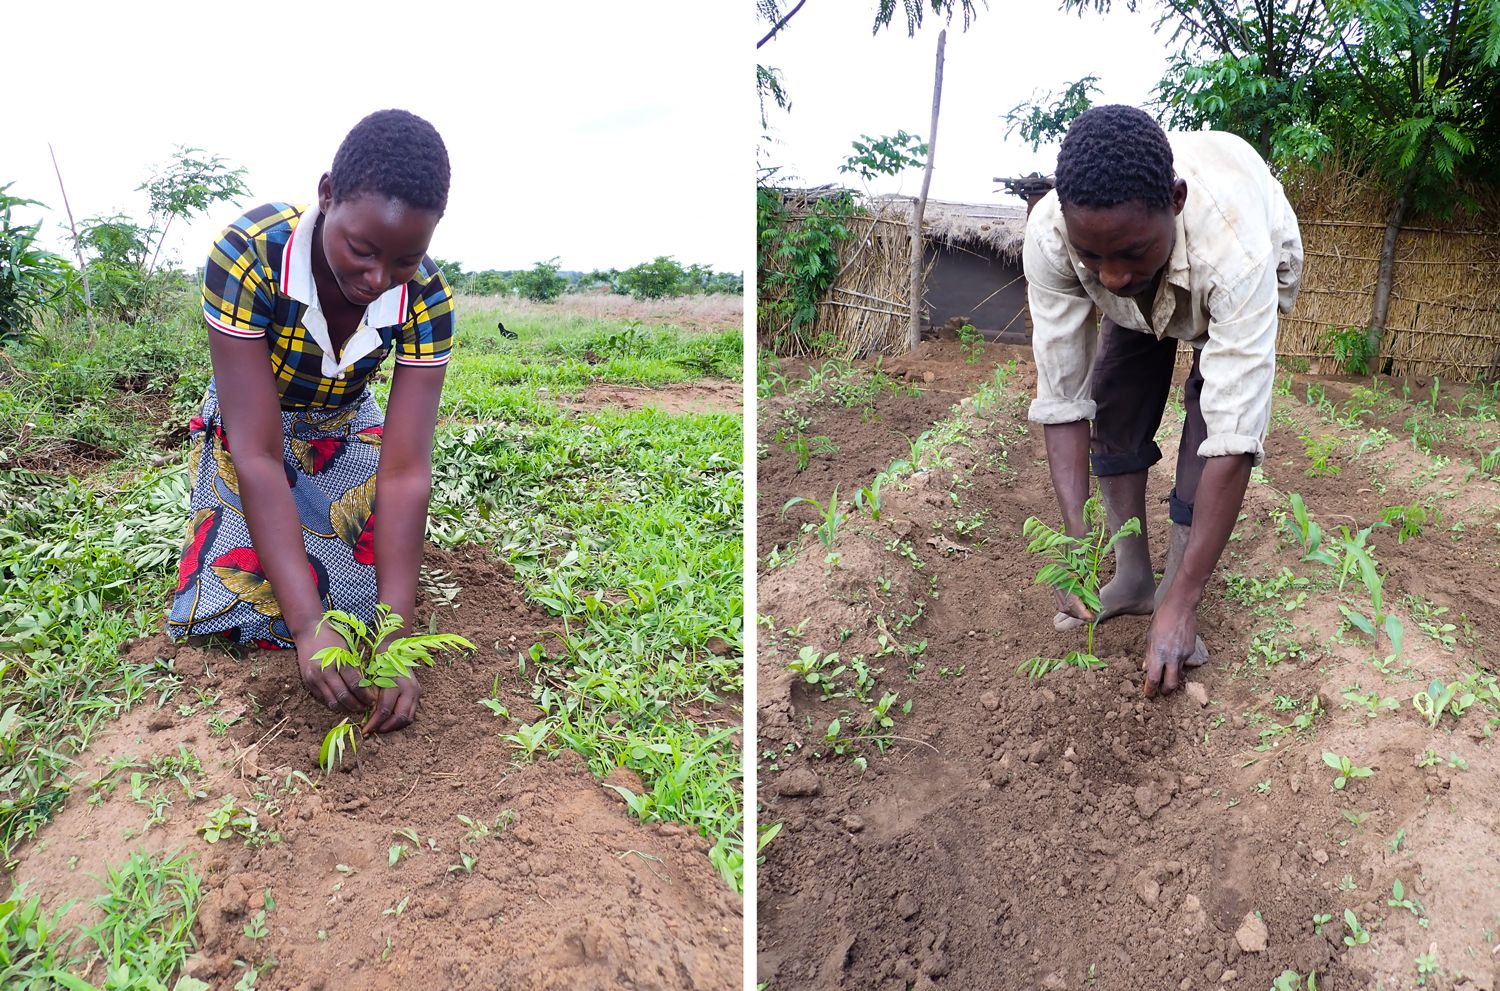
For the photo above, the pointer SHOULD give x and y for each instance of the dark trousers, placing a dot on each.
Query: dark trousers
(1132, 378)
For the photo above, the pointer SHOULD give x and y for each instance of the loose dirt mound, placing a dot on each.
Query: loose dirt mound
(565, 891)
(1070, 833)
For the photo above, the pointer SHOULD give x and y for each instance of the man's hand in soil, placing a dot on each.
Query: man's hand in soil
(396, 707)
(336, 688)
(1169, 643)
(1174, 626)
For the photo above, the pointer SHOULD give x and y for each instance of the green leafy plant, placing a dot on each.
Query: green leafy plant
(970, 343)
(1358, 935)
(886, 155)
(1410, 519)
(1318, 449)
(228, 819)
(1073, 567)
(343, 736)
(381, 661)
(1290, 980)
(833, 518)
(1440, 697)
(867, 499)
(1346, 770)
(1351, 349)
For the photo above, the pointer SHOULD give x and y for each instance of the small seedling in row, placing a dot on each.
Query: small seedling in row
(817, 668)
(227, 820)
(1073, 567)
(867, 499)
(466, 863)
(379, 663)
(1320, 920)
(1427, 965)
(1290, 980)
(1346, 770)
(832, 519)
(1372, 703)
(1358, 935)
(1442, 697)
(530, 737)
(1399, 899)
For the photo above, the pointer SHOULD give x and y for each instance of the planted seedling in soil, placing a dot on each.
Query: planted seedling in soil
(379, 663)
(1345, 767)
(1440, 698)
(833, 518)
(1073, 567)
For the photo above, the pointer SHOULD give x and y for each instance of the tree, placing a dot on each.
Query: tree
(542, 284)
(655, 279)
(190, 184)
(1407, 86)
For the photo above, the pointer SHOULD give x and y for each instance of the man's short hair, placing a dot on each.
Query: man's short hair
(1114, 154)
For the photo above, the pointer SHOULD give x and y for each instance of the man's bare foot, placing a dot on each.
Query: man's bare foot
(1126, 595)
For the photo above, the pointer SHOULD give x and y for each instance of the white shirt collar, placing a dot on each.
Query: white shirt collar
(389, 309)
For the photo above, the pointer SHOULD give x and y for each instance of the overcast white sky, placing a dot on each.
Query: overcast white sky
(844, 83)
(601, 132)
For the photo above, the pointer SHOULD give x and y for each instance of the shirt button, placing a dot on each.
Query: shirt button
(340, 376)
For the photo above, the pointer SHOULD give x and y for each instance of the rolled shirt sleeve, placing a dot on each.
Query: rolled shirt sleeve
(1238, 363)
(1062, 337)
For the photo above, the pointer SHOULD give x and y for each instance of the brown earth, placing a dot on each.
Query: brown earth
(879, 430)
(566, 890)
(1070, 833)
(703, 396)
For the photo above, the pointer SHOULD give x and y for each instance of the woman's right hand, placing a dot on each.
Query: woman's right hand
(337, 688)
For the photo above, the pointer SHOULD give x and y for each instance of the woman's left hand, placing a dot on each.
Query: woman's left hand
(396, 707)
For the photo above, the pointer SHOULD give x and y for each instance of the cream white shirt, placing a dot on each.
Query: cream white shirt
(1236, 264)
(297, 282)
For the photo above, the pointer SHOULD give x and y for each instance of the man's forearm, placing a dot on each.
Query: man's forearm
(1221, 493)
(1068, 461)
(401, 500)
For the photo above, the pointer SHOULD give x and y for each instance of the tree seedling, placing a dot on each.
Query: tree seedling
(380, 663)
(1345, 768)
(1073, 567)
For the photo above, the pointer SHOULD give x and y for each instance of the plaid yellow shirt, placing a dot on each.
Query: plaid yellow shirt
(258, 282)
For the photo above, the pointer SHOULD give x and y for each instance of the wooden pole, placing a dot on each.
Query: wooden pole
(914, 329)
(83, 270)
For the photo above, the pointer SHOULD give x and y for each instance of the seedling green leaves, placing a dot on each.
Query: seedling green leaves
(1441, 697)
(380, 663)
(1346, 770)
(1072, 566)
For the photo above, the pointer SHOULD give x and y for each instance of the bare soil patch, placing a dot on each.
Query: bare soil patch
(565, 891)
(705, 396)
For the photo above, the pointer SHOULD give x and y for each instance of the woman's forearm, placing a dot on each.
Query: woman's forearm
(276, 533)
(400, 529)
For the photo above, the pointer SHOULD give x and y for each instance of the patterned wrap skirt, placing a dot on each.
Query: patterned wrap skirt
(330, 457)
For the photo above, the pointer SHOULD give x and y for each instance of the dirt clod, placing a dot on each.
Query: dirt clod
(1252, 934)
(799, 782)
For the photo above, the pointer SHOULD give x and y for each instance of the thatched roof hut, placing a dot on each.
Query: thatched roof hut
(973, 272)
